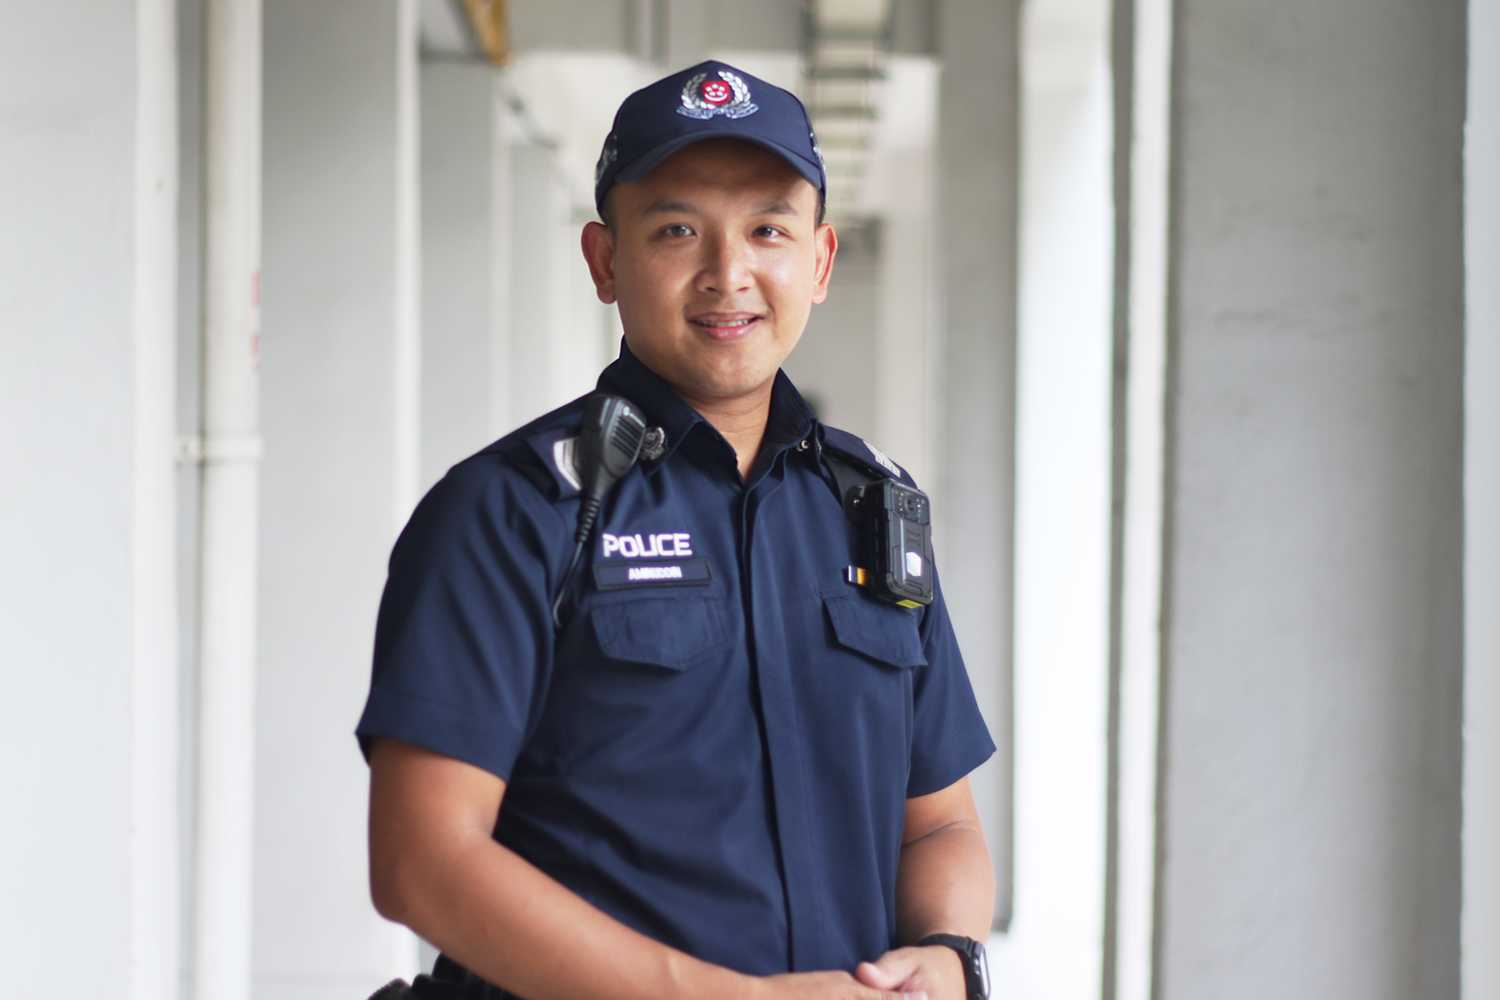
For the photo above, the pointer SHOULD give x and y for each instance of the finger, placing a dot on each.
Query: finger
(877, 977)
(891, 970)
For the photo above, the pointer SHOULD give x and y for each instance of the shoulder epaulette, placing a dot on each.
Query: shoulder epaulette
(866, 456)
(518, 456)
(551, 458)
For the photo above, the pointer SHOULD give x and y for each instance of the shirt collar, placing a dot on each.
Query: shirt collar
(790, 420)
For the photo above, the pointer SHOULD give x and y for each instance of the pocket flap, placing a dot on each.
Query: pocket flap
(887, 634)
(669, 632)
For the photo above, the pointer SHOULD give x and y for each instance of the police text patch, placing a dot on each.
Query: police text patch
(660, 545)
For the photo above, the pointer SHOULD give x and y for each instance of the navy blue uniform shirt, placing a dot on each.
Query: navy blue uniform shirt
(718, 746)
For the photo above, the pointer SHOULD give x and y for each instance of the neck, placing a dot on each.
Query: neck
(740, 421)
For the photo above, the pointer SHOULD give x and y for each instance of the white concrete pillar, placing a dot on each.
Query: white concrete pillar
(1481, 879)
(340, 370)
(87, 601)
(906, 366)
(978, 218)
(1142, 74)
(1312, 621)
(1062, 503)
(466, 263)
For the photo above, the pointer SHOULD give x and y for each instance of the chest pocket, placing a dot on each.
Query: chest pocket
(887, 635)
(670, 632)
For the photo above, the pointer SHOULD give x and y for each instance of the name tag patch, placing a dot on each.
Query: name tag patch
(677, 573)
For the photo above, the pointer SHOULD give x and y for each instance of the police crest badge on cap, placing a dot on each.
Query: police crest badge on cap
(702, 97)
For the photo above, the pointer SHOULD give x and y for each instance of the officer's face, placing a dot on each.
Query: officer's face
(715, 258)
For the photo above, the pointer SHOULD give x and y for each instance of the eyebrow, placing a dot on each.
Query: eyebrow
(672, 206)
(664, 206)
(779, 207)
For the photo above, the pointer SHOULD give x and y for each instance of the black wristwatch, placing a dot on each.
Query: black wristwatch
(971, 954)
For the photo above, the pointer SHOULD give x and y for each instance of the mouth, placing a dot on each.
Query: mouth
(726, 325)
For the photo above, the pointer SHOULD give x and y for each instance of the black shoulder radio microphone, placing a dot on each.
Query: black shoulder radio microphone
(609, 445)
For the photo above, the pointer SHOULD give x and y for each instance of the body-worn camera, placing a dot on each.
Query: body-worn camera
(895, 542)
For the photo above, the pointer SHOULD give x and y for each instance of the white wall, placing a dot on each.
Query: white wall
(466, 245)
(834, 363)
(544, 257)
(1313, 629)
(339, 474)
(1481, 873)
(566, 101)
(85, 309)
(561, 336)
(581, 338)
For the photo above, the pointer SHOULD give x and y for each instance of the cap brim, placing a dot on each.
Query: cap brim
(645, 163)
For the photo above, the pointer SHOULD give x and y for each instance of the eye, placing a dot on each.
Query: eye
(677, 230)
(769, 232)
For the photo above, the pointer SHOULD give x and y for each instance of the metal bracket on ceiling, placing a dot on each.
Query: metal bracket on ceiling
(847, 42)
(490, 22)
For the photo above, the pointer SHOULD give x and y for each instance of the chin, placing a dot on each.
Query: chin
(741, 381)
(726, 385)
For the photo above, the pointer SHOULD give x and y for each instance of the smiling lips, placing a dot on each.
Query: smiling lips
(725, 325)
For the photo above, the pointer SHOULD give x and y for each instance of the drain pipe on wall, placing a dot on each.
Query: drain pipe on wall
(155, 713)
(231, 466)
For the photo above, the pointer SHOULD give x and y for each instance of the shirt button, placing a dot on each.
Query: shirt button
(803, 445)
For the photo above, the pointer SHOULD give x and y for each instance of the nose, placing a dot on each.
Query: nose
(725, 267)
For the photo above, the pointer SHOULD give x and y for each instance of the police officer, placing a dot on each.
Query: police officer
(727, 768)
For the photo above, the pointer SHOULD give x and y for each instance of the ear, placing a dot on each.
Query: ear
(826, 244)
(599, 251)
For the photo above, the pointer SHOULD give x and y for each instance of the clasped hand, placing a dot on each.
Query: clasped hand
(931, 973)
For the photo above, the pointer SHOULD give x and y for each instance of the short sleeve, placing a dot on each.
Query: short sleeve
(463, 640)
(949, 737)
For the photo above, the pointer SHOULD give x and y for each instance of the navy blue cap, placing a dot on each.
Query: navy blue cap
(712, 100)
